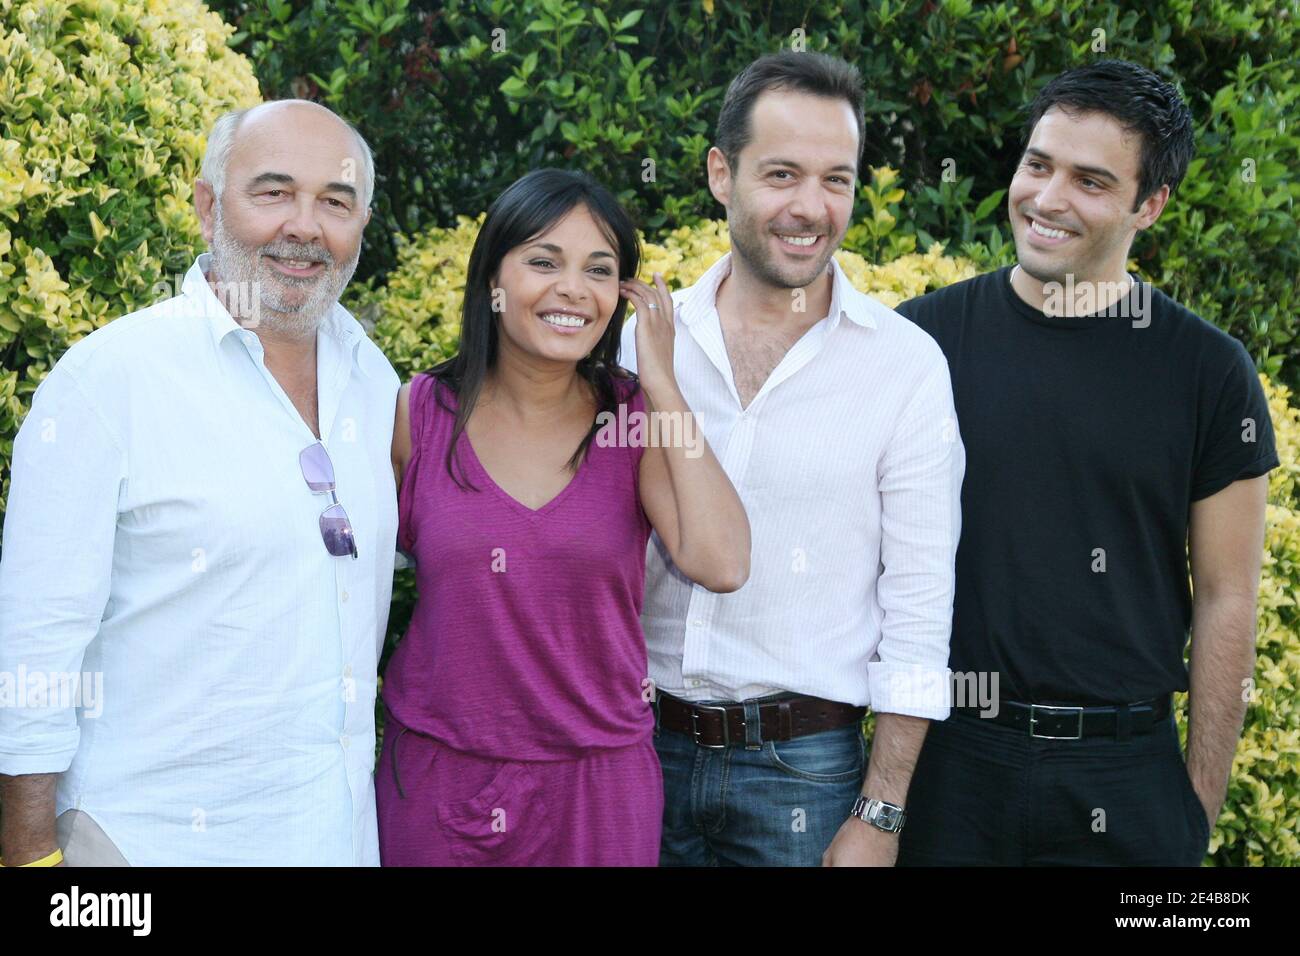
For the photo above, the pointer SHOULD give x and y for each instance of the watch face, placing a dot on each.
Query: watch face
(881, 815)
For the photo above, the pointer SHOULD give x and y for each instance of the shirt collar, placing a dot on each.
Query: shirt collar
(860, 308)
(339, 324)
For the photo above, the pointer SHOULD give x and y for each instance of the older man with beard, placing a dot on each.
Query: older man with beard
(167, 534)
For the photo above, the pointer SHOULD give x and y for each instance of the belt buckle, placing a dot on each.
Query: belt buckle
(695, 726)
(1078, 711)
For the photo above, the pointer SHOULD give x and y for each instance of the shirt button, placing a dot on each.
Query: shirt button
(345, 740)
(345, 597)
(347, 670)
(698, 622)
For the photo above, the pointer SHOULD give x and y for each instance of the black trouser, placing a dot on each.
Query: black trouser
(989, 795)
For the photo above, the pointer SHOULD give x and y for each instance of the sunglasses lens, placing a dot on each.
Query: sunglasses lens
(317, 469)
(337, 532)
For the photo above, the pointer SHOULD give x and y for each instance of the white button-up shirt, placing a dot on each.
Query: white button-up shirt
(161, 542)
(849, 464)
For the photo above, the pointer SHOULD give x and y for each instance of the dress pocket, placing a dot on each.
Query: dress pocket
(507, 823)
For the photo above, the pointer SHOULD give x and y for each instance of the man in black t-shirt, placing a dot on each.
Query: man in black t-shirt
(1107, 431)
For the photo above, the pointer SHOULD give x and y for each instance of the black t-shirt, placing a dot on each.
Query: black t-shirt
(1087, 439)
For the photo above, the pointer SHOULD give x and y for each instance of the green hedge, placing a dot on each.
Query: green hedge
(461, 101)
(103, 112)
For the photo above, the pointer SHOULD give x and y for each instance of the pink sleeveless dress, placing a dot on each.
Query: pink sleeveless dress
(518, 731)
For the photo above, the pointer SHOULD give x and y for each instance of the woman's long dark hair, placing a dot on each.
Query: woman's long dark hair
(529, 207)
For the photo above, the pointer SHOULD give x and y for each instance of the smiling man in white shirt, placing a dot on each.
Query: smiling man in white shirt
(834, 421)
(202, 518)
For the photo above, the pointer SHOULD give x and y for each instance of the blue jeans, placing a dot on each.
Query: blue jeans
(768, 803)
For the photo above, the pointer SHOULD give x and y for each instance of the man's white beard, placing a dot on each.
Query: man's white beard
(259, 296)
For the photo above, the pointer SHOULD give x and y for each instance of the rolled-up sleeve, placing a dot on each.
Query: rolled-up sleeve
(56, 563)
(920, 487)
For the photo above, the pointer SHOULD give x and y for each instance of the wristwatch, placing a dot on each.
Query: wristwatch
(881, 815)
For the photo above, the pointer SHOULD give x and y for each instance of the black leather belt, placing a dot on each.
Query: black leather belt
(781, 718)
(1072, 723)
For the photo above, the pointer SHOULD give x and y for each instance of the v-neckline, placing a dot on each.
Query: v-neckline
(510, 499)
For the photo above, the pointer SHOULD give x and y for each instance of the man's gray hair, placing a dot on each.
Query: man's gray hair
(222, 139)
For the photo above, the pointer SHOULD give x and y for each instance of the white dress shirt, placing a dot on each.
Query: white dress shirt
(849, 464)
(161, 541)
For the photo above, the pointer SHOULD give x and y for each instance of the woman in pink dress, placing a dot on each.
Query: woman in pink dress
(519, 729)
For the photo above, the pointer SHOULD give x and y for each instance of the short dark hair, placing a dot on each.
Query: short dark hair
(1141, 102)
(815, 73)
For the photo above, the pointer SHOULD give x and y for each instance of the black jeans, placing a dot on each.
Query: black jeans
(989, 795)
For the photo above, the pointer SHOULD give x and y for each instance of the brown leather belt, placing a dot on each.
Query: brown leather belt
(780, 718)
